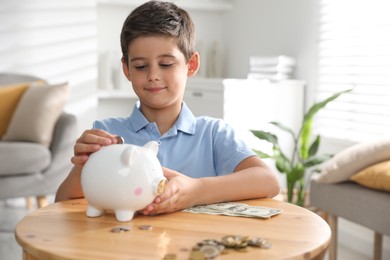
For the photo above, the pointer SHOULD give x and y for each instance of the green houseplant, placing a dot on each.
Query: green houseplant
(304, 153)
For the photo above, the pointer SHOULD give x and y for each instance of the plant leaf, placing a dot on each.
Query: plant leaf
(310, 162)
(296, 173)
(266, 136)
(314, 146)
(308, 122)
(305, 137)
(262, 154)
(282, 163)
(284, 128)
(317, 106)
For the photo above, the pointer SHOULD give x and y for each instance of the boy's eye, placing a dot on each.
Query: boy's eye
(139, 67)
(166, 64)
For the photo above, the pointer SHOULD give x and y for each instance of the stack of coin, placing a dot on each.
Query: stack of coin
(232, 241)
(260, 243)
(211, 248)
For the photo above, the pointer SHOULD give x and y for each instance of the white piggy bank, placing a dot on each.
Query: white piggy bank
(123, 178)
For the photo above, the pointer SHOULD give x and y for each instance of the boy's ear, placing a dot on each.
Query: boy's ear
(193, 64)
(125, 69)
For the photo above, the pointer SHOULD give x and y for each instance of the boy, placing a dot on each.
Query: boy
(202, 158)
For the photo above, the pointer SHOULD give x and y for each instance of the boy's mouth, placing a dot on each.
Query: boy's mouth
(155, 89)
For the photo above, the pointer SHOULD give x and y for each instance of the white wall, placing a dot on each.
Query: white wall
(269, 28)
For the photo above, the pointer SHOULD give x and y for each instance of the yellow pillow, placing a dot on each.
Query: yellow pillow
(376, 176)
(9, 99)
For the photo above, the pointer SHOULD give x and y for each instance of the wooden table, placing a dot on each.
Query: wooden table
(63, 231)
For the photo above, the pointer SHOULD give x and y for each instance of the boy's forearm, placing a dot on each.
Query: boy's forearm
(254, 182)
(71, 187)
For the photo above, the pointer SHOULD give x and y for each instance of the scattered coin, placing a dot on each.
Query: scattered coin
(260, 242)
(210, 252)
(196, 255)
(211, 242)
(145, 227)
(120, 229)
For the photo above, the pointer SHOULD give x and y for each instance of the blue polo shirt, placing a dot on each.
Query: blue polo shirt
(195, 146)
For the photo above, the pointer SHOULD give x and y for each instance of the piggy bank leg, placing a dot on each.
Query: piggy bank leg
(93, 212)
(124, 215)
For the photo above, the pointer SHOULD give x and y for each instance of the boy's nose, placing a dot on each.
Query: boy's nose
(153, 73)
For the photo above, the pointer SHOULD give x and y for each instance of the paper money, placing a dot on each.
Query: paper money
(235, 209)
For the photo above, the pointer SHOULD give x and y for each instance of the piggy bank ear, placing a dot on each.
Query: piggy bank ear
(152, 145)
(127, 154)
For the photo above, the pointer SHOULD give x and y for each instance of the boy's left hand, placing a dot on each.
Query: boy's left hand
(180, 193)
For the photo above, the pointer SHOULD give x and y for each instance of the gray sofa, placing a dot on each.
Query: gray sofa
(356, 203)
(32, 169)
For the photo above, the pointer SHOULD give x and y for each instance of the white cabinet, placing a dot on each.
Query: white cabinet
(205, 96)
(249, 104)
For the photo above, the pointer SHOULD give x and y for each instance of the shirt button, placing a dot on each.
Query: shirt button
(159, 142)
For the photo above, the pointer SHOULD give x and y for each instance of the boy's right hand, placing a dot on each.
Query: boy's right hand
(89, 142)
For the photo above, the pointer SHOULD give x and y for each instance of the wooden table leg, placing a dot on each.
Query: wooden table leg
(332, 221)
(27, 256)
(29, 202)
(377, 246)
(42, 201)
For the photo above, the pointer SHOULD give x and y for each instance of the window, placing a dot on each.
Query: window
(53, 40)
(354, 51)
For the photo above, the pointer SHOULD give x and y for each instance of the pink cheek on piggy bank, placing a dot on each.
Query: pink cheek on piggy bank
(138, 191)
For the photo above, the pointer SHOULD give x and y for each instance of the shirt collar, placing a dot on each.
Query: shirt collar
(186, 121)
(137, 120)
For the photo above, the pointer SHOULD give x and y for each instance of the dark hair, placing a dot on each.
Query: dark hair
(159, 18)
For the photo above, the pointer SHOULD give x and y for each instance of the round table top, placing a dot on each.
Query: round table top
(63, 231)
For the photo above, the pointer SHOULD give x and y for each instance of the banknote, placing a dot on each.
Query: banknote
(235, 209)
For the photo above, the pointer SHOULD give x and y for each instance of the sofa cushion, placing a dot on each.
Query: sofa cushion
(376, 176)
(9, 99)
(36, 114)
(353, 159)
(353, 202)
(23, 158)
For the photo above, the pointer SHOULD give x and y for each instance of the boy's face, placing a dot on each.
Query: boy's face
(158, 71)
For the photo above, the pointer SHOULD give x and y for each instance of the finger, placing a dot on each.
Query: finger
(81, 149)
(97, 136)
(169, 174)
(95, 139)
(79, 160)
(167, 206)
(170, 190)
(148, 209)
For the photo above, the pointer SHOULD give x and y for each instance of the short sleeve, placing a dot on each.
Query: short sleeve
(229, 148)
